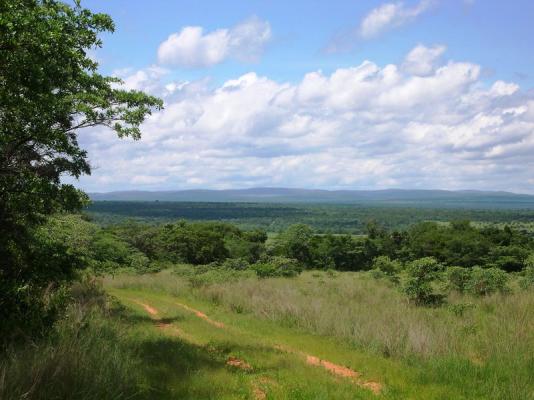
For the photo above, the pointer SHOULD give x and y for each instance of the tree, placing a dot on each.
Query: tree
(387, 266)
(485, 281)
(296, 242)
(50, 89)
(341, 252)
(421, 273)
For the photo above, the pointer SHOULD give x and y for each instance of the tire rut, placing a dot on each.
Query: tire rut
(331, 367)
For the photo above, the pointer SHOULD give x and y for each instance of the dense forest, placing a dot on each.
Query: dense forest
(324, 218)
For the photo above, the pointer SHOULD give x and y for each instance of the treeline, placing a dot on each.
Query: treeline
(146, 247)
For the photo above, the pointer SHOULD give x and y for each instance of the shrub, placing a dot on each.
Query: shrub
(508, 258)
(341, 252)
(248, 245)
(485, 281)
(458, 278)
(239, 264)
(421, 274)
(277, 266)
(385, 265)
(32, 298)
(194, 243)
(376, 273)
(527, 281)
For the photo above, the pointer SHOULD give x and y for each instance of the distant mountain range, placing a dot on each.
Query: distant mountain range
(401, 197)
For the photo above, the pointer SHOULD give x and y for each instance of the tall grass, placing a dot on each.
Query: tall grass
(482, 345)
(85, 357)
(373, 314)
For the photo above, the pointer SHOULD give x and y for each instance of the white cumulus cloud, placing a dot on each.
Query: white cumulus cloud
(414, 125)
(422, 60)
(192, 47)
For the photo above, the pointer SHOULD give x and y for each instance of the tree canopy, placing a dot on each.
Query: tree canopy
(50, 89)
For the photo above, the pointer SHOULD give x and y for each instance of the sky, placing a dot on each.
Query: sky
(337, 94)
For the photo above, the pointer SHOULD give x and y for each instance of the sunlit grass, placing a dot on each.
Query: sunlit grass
(371, 325)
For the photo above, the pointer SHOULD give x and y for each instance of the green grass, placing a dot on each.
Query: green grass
(281, 374)
(87, 356)
(355, 321)
(106, 349)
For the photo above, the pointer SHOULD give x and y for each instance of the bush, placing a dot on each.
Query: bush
(485, 281)
(239, 264)
(247, 245)
(277, 266)
(527, 280)
(377, 274)
(385, 265)
(32, 298)
(458, 278)
(421, 274)
(195, 243)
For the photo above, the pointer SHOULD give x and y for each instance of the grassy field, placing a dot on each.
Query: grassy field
(322, 336)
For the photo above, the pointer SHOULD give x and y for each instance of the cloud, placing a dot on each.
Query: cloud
(379, 20)
(147, 79)
(423, 124)
(389, 16)
(193, 48)
(422, 60)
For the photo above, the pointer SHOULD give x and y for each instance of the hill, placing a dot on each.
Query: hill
(419, 198)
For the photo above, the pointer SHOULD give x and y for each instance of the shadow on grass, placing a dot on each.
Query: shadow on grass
(174, 368)
(133, 318)
(170, 363)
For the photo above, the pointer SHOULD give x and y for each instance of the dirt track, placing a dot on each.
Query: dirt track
(331, 367)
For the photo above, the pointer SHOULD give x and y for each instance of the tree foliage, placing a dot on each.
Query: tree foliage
(50, 89)
(421, 275)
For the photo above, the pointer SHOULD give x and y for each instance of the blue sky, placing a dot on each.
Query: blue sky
(322, 94)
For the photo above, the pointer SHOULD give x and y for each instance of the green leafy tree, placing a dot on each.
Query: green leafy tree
(527, 281)
(296, 242)
(386, 266)
(486, 281)
(247, 245)
(458, 278)
(341, 252)
(421, 274)
(50, 89)
(195, 243)
(277, 266)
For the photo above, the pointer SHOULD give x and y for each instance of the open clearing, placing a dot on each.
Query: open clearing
(260, 363)
(197, 349)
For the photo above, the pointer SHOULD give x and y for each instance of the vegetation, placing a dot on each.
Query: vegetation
(458, 246)
(373, 295)
(50, 89)
(85, 356)
(323, 218)
(455, 351)
(408, 308)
